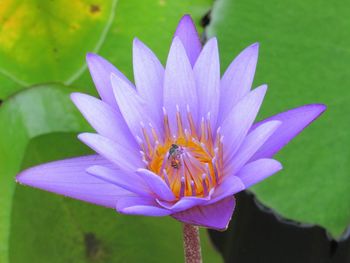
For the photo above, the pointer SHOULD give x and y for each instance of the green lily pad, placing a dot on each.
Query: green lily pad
(42, 41)
(304, 57)
(99, 31)
(66, 230)
(31, 113)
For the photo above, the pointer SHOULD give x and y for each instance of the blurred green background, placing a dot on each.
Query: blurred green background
(304, 58)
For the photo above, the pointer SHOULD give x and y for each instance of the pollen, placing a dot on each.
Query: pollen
(189, 161)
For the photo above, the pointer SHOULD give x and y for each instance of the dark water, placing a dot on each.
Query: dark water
(256, 234)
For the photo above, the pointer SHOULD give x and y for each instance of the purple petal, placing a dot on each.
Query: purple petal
(140, 206)
(238, 78)
(216, 216)
(112, 151)
(179, 84)
(156, 184)
(258, 170)
(101, 70)
(105, 120)
(184, 203)
(229, 186)
(251, 144)
(149, 78)
(69, 178)
(207, 75)
(133, 108)
(237, 124)
(186, 31)
(293, 122)
(127, 180)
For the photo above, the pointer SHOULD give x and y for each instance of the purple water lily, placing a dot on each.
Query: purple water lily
(181, 141)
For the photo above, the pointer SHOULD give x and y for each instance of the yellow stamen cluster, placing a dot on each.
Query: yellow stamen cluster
(190, 162)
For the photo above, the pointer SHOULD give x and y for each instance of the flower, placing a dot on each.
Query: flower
(182, 142)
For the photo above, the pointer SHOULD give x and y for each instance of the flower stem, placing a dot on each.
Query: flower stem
(192, 246)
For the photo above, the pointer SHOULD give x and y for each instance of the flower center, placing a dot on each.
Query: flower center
(190, 161)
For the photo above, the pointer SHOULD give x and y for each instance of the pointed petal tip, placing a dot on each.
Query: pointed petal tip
(213, 41)
(90, 57)
(92, 169)
(273, 164)
(252, 49)
(319, 107)
(91, 60)
(75, 96)
(185, 24)
(261, 89)
(294, 121)
(156, 184)
(84, 135)
(186, 18)
(275, 123)
(19, 178)
(79, 98)
(176, 41)
(137, 42)
(316, 110)
(114, 78)
(140, 50)
(255, 45)
(117, 83)
(27, 177)
(278, 166)
(251, 52)
(178, 47)
(142, 170)
(188, 34)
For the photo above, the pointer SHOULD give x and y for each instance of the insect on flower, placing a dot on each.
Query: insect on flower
(181, 141)
(175, 155)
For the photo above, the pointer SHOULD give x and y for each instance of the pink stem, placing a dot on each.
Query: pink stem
(192, 246)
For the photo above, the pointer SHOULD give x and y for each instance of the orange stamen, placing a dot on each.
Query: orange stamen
(188, 163)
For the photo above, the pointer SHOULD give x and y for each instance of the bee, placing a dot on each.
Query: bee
(174, 156)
